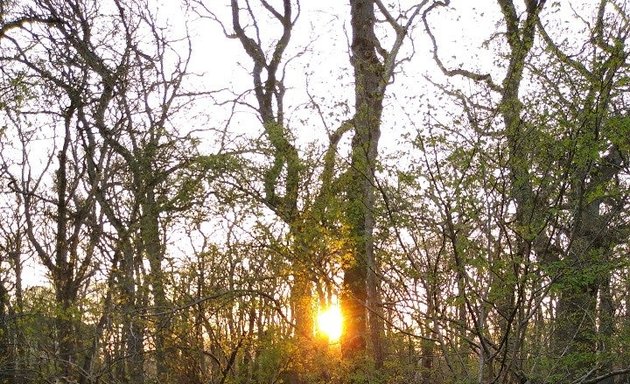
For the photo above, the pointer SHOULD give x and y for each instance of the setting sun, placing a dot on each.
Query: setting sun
(330, 323)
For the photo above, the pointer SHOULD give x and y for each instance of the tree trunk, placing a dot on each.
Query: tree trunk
(520, 37)
(151, 245)
(360, 285)
(427, 346)
(575, 334)
(6, 351)
(606, 329)
(133, 331)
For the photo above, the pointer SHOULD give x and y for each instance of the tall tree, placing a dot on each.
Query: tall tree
(373, 71)
(545, 151)
(283, 184)
(64, 241)
(120, 95)
(596, 159)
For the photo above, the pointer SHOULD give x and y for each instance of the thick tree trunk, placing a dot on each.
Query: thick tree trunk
(133, 330)
(60, 273)
(301, 306)
(520, 36)
(575, 331)
(360, 286)
(575, 335)
(151, 244)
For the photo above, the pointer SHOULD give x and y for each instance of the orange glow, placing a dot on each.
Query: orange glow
(330, 323)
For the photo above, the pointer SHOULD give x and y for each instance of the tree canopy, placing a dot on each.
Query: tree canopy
(289, 191)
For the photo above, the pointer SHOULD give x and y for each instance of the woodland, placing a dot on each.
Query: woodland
(300, 191)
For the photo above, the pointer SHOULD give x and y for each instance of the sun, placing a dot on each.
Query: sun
(330, 323)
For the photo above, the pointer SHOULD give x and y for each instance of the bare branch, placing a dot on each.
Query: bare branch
(401, 32)
(19, 23)
(575, 64)
(598, 379)
(478, 77)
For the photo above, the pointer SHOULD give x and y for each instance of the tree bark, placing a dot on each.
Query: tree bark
(151, 245)
(360, 299)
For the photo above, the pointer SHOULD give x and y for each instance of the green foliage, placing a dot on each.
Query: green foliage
(499, 226)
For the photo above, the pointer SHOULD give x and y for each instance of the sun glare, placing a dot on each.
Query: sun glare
(330, 323)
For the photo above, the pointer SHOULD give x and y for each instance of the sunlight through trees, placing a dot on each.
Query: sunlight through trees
(297, 191)
(330, 323)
